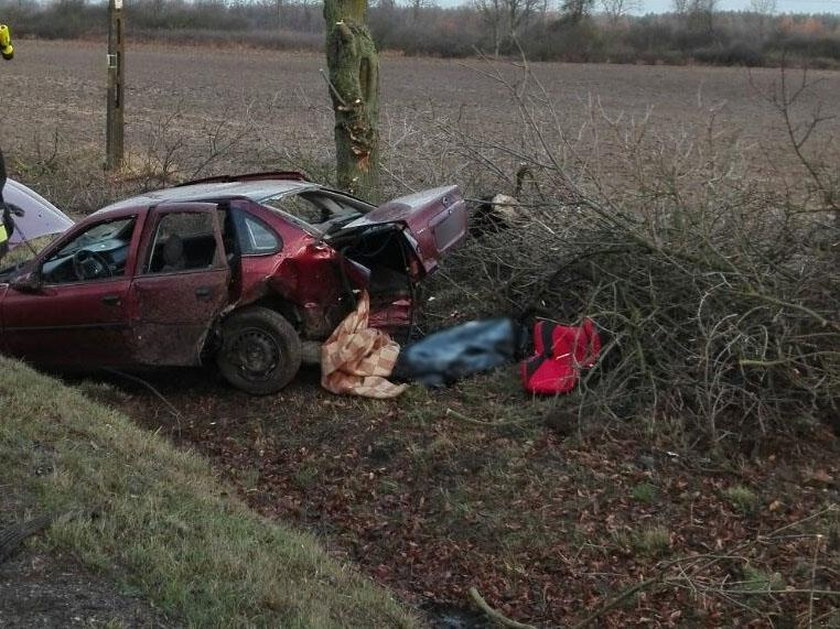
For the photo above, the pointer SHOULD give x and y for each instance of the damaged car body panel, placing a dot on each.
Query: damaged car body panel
(181, 284)
(240, 270)
(435, 221)
(40, 217)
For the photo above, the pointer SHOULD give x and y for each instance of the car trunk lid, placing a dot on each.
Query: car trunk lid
(435, 221)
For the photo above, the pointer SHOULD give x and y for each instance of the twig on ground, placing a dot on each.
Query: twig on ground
(603, 609)
(812, 593)
(495, 615)
(453, 413)
(158, 394)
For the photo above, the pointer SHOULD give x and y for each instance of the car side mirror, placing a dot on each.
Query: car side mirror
(27, 282)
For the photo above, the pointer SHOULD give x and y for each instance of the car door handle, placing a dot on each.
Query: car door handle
(203, 292)
(111, 300)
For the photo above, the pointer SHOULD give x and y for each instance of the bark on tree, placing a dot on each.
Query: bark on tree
(354, 89)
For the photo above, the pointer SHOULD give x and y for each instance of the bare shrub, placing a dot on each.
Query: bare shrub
(167, 149)
(718, 290)
(176, 149)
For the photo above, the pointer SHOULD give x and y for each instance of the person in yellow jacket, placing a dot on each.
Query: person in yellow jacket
(7, 51)
(7, 225)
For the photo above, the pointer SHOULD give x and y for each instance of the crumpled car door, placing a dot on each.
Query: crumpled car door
(181, 285)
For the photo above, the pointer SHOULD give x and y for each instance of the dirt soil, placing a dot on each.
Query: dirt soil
(41, 590)
(38, 589)
(545, 524)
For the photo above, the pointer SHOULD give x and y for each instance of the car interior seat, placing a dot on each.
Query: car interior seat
(173, 255)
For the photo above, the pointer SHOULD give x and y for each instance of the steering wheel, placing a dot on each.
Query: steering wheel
(89, 265)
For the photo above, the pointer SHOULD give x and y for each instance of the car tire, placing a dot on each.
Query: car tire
(260, 352)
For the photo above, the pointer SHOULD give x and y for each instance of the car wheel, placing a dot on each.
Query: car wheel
(261, 351)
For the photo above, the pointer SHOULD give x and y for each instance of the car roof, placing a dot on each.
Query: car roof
(255, 190)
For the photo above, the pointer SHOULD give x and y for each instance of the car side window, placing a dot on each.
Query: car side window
(254, 236)
(99, 252)
(183, 241)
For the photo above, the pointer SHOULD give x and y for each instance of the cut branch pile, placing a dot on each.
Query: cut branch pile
(719, 294)
(736, 328)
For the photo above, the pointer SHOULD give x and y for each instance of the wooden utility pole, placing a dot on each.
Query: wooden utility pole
(354, 88)
(115, 122)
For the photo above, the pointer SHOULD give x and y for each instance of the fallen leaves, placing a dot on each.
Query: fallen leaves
(819, 477)
(546, 529)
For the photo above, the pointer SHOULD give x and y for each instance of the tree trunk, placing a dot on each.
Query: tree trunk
(354, 88)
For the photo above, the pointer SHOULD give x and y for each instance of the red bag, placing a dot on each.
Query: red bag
(561, 351)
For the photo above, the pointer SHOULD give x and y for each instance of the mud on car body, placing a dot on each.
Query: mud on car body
(239, 270)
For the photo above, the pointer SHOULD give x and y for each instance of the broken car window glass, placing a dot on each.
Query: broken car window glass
(98, 253)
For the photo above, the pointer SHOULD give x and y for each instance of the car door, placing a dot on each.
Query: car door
(77, 311)
(181, 284)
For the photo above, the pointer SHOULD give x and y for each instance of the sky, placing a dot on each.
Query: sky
(782, 6)
(663, 6)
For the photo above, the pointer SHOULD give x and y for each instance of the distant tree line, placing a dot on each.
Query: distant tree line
(573, 30)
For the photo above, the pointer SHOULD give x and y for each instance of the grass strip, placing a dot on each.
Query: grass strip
(157, 520)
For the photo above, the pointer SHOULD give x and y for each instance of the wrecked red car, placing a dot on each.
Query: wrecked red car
(243, 271)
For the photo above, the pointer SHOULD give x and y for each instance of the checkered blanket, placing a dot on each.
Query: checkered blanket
(357, 359)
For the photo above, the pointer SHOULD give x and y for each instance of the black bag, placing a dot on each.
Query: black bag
(446, 356)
